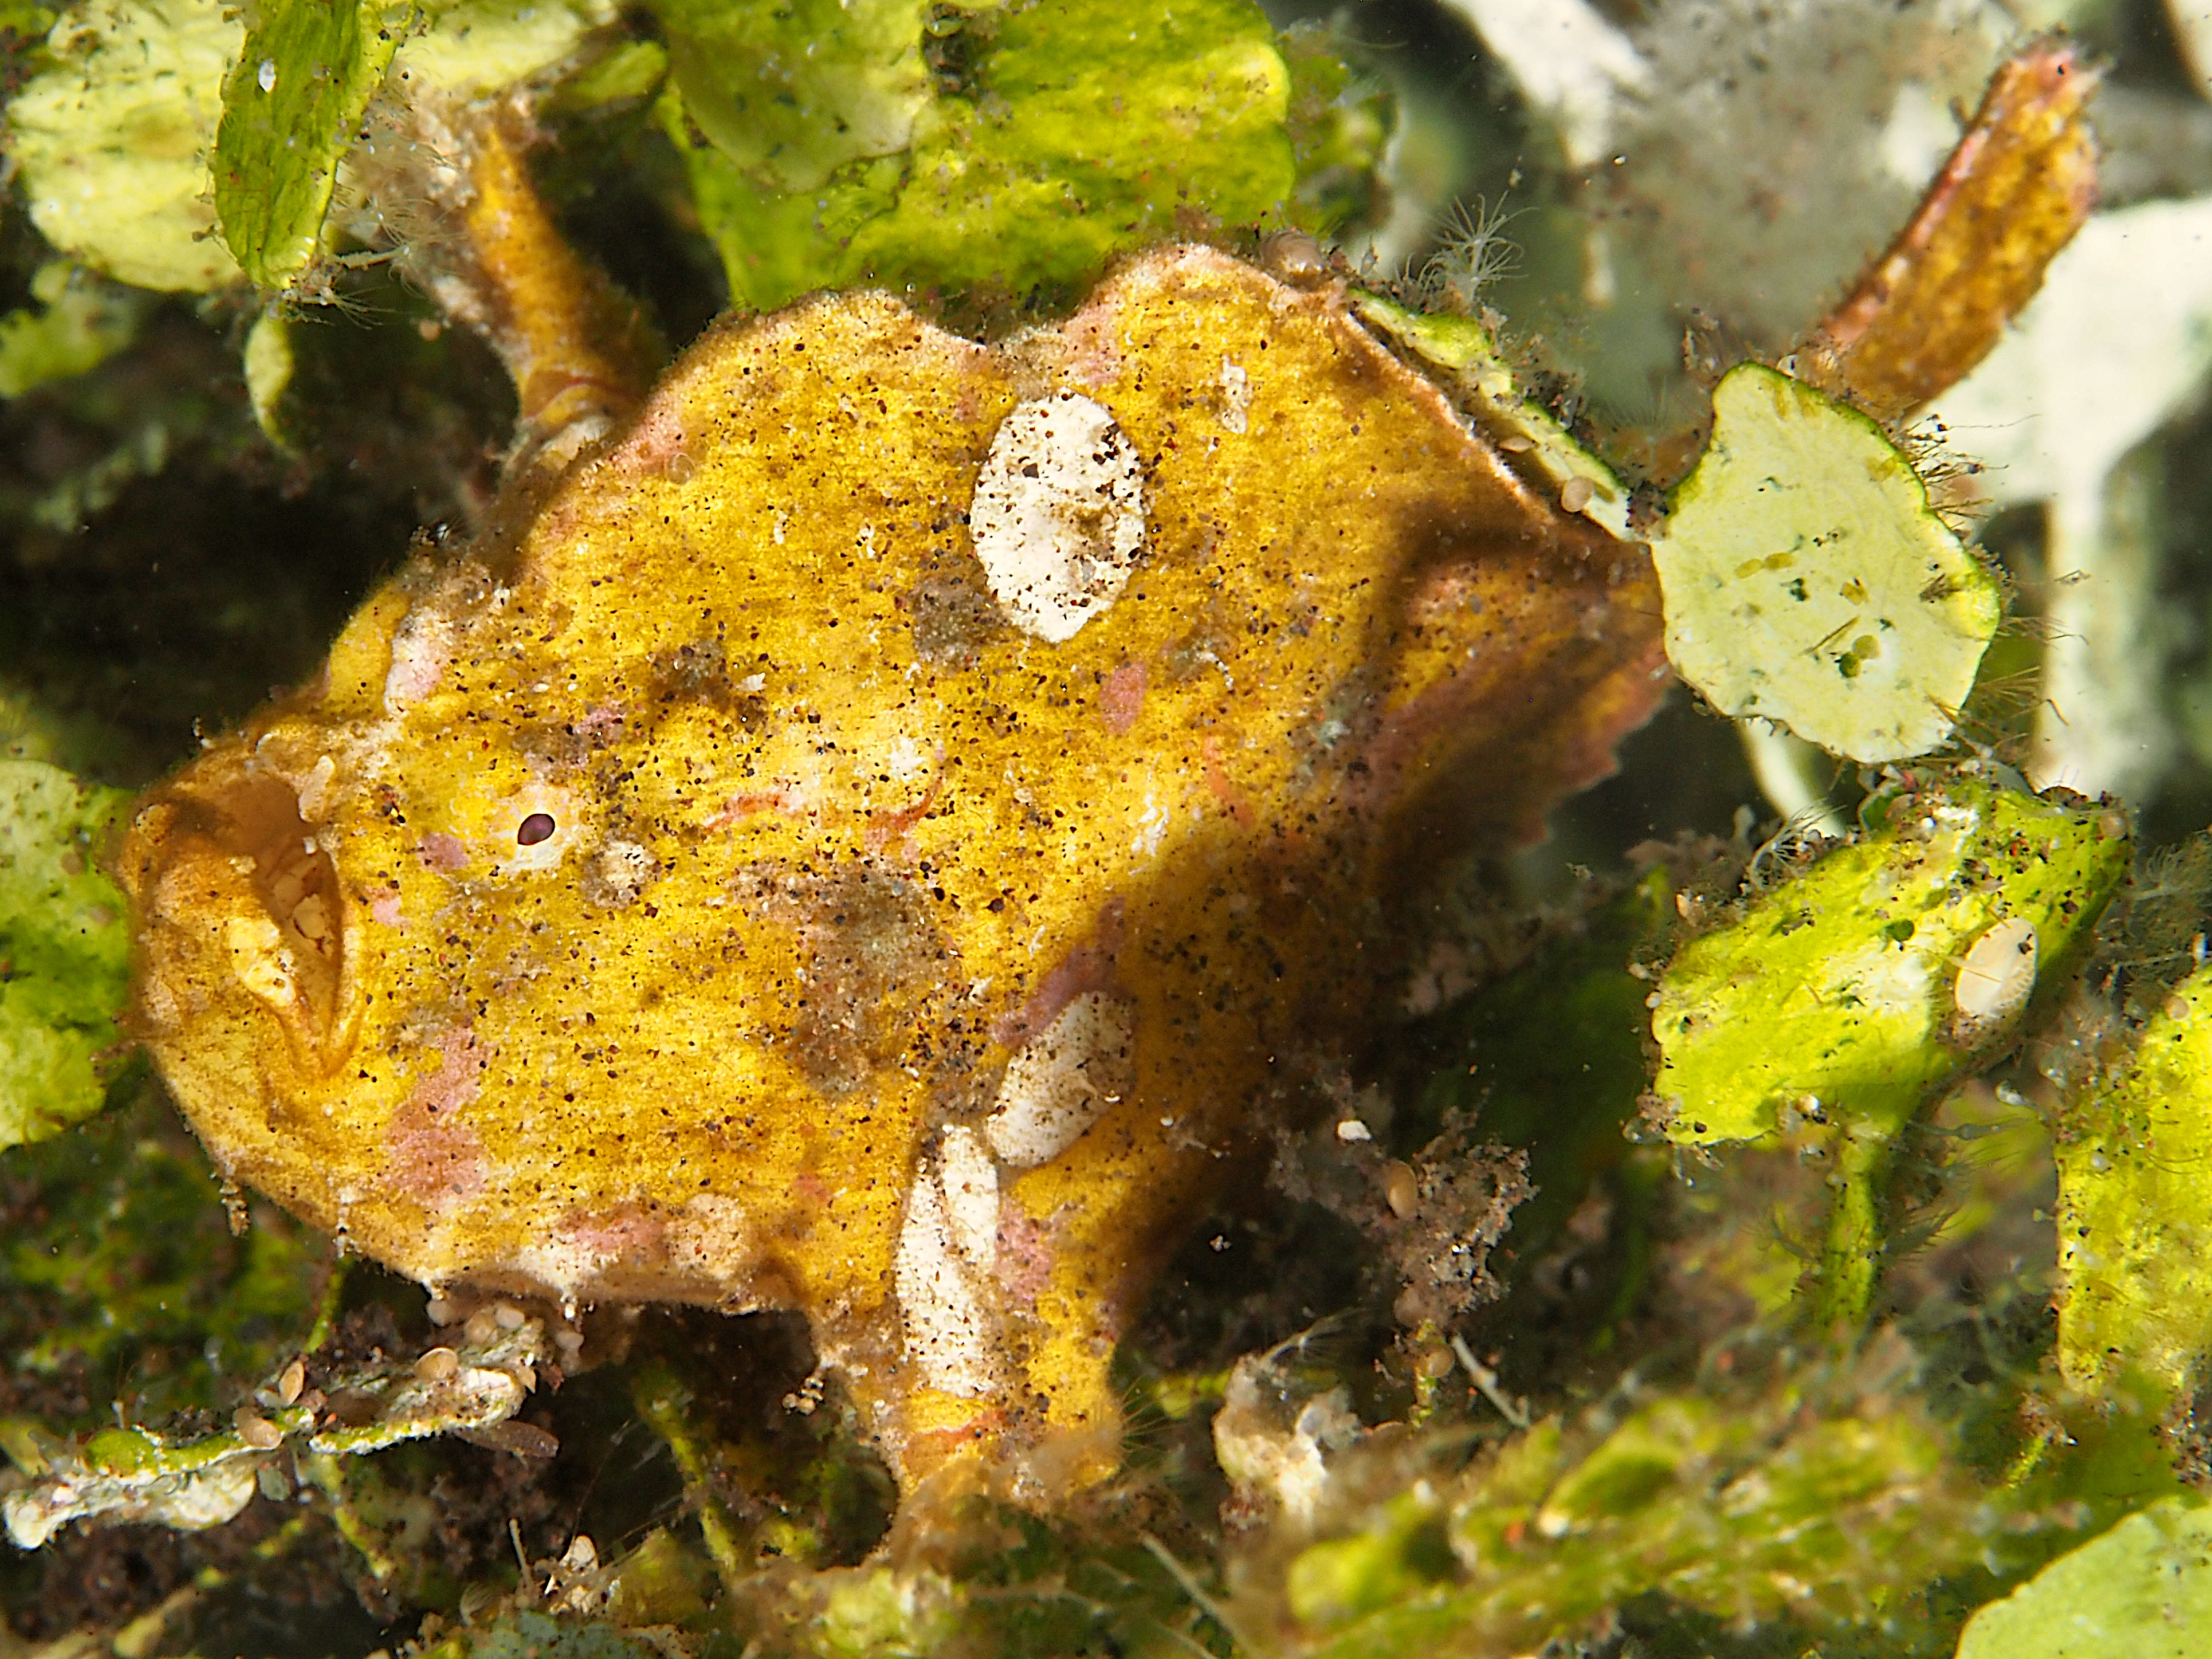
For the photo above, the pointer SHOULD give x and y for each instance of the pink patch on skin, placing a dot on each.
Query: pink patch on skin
(739, 808)
(631, 1233)
(420, 646)
(656, 446)
(432, 1153)
(812, 1188)
(384, 905)
(1219, 785)
(1121, 697)
(442, 852)
(601, 724)
(1094, 354)
(884, 828)
(1023, 1265)
(1088, 967)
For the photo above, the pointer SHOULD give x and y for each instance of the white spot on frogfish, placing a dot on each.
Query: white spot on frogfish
(1236, 397)
(944, 1327)
(1151, 829)
(419, 650)
(971, 1196)
(1057, 516)
(314, 791)
(1062, 1081)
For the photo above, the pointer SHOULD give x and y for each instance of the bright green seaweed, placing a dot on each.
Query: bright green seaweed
(1028, 155)
(1850, 992)
(64, 950)
(2135, 1223)
(290, 107)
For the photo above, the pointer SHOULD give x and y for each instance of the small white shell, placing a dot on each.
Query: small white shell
(1057, 516)
(1997, 973)
(1294, 256)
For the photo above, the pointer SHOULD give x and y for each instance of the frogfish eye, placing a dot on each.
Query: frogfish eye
(537, 827)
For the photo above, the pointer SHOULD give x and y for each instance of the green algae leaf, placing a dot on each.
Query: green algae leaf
(118, 1264)
(630, 74)
(997, 1582)
(293, 102)
(538, 1636)
(112, 140)
(129, 1475)
(1807, 580)
(880, 1611)
(290, 106)
(1400, 1553)
(1805, 1501)
(2135, 1227)
(32, 729)
(1549, 1058)
(1039, 151)
(191, 1481)
(1859, 986)
(64, 950)
(2142, 1590)
(1466, 349)
(269, 363)
(474, 47)
(76, 326)
(1340, 123)
(25, 21)
(789, 93)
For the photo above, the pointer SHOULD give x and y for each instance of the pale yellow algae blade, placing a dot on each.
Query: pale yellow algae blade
(112, 141)
(2142, 1590)
(478, 46)
(1806, 579)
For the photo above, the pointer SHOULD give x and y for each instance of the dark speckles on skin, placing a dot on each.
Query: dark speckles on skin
(699, 672)
(874, 961)
(618, 874)
(953, 616)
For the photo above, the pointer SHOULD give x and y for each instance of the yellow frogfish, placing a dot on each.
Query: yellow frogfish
(888, 831)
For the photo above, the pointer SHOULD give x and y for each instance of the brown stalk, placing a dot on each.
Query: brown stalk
(2020, 184)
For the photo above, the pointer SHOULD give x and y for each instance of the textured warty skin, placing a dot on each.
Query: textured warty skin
(878, 838)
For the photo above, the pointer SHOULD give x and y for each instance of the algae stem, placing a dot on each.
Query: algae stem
(325, 1472)
(327, 1307)
(1850, 1255)
(661, 1397)
(1188, 1583)
(1486, 1380)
